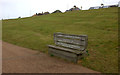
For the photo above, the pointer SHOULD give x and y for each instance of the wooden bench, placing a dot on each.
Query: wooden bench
(70, 47)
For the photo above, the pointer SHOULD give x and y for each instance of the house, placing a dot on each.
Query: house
(105, 6)
(99, 7)
(91, 8)
(113, 5)
(119, 4)
(73, 9)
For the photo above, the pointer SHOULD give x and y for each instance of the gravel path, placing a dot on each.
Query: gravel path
(22, 60)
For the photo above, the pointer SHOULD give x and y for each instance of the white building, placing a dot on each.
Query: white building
(119, 4)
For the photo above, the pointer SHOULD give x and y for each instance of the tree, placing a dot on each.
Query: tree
(19, 17)
(102, 4)
(45, 13)
(36, 14)
(81, 7)
(74, 6)
(57, 11)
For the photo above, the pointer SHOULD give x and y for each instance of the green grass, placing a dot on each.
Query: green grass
(101, 26)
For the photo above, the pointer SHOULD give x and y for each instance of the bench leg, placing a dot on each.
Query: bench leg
(82, 55)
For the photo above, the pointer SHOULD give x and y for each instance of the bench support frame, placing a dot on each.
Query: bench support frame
(67, 53)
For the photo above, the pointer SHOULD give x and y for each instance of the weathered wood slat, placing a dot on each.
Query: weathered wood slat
(70, 46)
(71, 41)
(71, 36)
(66, 49)
(78, 42)
(81, 37)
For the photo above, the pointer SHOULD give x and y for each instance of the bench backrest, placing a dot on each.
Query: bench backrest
(76, 42)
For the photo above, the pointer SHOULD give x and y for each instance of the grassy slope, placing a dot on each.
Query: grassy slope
(101, 26)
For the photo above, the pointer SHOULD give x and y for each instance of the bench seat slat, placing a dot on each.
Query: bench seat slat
(66, 49)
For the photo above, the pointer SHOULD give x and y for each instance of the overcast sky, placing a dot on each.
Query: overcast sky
(26, 8)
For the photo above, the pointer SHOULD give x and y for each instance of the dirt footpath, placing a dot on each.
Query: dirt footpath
(22, 60)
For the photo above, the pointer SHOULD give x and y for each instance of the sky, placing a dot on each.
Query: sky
(24, 8)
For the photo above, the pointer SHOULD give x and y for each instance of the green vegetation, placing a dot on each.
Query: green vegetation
(101, 26)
